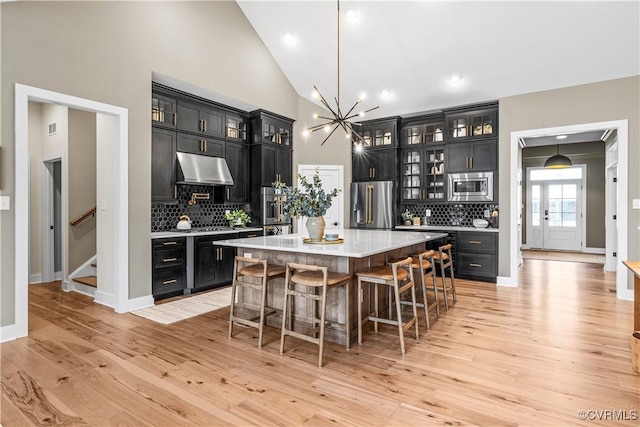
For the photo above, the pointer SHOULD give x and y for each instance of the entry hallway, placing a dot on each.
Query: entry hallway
(535, 355)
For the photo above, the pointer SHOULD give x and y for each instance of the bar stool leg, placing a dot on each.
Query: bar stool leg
(444, 286)
(435, 294)
(424, 297)
(285, 308)
(415, 309)
(262, 309)
(323, 316)
(347, 313)
(360, 298)
(399, 313)
(233, 297)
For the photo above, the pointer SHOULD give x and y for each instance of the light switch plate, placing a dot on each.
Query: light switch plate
(427, 213)
(636, 203)
(5, 203)
(487, 213)
(247, 254)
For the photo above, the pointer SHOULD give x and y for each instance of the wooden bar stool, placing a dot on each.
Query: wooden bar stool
(392, 276)
(259, 269)
(316, 281)
(424, 264)
(445, 259)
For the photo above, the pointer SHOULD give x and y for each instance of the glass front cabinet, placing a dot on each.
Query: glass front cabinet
(423, 171)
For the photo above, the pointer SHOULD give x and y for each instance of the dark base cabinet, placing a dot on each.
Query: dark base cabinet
(212, 264)
(169, 276)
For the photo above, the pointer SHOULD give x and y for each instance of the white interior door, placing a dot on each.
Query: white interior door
(332, 176)
(562, 221)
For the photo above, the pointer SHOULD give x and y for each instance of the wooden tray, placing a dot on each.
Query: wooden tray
(323, 241)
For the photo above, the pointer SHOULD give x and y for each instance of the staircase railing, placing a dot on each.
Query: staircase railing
(87, 214)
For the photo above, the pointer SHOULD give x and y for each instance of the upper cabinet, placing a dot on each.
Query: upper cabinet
(473, 122)
(163, 166)
(269, 128)
(163, 111)
(427, 130)
(201, 119)
(236, 128)
(379, 133)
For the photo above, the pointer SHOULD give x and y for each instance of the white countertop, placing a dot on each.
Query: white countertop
(357, 243)
(445, 228)
(164, 234)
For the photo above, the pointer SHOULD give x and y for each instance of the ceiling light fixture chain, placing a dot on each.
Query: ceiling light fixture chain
(339, 119)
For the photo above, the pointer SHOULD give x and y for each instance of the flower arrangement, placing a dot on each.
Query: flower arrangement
(406, 216)
(238, 217)
(309, 199)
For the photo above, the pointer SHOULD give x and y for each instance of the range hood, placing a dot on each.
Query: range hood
(204, 170)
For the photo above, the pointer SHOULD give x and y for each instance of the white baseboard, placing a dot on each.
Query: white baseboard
(35, 278)
(601, 251)
(138, 303)
(104, 298)
(507, 282)
(8, 333)
(57, 275)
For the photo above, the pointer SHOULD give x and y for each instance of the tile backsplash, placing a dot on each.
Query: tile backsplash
(457, 214)
(164, 217)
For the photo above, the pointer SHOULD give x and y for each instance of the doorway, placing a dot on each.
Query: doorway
(611, 190)
(332, 176)
(113, 190)
(555, 200)
(52, 231)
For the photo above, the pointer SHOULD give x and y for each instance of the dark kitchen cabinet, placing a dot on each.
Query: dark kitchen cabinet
(375, 165)
(422, 174)
(269, 128)
(379, 133)
(476, 124)
(213, 264)
(201, 119)
(419, 133)
(237, 158)
(472, 156)
(236, 128)
(168, 276)
(269, 164)
(188, 143)
(163, 111)
(163, 166)
(477, 255)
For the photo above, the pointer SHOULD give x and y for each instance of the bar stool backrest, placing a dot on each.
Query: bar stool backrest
(445, 250)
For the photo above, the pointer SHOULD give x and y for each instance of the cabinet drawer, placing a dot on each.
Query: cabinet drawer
(476, 242)
(168, 281)
(168, 258)
(483, 265)
(171, 242)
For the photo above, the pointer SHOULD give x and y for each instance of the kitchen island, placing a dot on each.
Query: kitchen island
(360, 249)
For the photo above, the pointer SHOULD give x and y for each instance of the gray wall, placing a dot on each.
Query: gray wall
(597, 102)
(107, 51)
(590, 154)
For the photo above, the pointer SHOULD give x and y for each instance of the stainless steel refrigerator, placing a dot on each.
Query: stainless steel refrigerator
(372, 204)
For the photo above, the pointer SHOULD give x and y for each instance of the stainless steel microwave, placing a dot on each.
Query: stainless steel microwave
(470, 187)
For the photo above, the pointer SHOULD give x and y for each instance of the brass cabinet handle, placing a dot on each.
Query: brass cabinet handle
(475, 242)
(175, 118)
(470, 162)
(200, 125)
(168, 282)
(205, 142)
(205, 125)
(175, 191)
(227, 193)
(474, 265)
(169, 259)
(374, 172)
(169, 243)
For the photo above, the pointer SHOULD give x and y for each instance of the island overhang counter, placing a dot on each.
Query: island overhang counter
(360, 249)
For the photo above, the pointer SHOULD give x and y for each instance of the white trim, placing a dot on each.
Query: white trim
(24, 94)
(8, 333)
(104, 298)
(140, 302)
(524, 246)
(48, 251)
(622, 279)
(35, 278)
(600, 251)
(507, 282)
(85, 269)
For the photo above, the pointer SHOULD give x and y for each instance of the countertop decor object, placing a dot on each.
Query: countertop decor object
(238, 218)
(407, 217)
(184, 223)
(309, 200)
(480, 223)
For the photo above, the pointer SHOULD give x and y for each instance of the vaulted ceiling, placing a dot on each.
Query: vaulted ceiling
(412, 48)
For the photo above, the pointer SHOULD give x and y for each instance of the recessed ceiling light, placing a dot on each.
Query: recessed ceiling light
(561, 137)
(352, 15)
(455, 79)
(289, 38)
(386, 94)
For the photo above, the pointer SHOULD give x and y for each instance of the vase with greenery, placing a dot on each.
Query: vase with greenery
(407, 217)
(238, 218)
(309, 200)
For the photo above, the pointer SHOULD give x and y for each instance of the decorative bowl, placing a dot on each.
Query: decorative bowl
(480, 223)
(331, 236)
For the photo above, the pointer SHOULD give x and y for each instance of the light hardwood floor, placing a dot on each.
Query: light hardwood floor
(535, 355)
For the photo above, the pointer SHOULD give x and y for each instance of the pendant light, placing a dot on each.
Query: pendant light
(558, 161)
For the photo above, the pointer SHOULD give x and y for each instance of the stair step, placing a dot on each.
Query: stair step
(87, 280)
